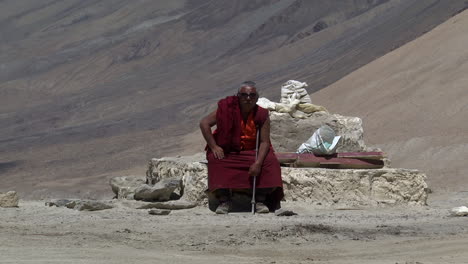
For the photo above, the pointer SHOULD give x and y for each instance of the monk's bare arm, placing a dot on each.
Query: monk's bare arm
(263, 149)
(205, 126)
(264, 141)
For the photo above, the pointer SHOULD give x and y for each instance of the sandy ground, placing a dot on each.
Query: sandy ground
(35, 233)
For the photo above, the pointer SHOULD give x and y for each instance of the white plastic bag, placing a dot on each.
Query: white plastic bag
(323, 142)
(460, 211)
(265, 103)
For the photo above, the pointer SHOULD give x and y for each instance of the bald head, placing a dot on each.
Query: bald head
(250, 84)
(248, 96)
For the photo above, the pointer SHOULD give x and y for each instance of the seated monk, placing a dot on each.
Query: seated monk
(231, 152)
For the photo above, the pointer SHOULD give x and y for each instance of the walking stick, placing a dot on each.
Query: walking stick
(255, 177)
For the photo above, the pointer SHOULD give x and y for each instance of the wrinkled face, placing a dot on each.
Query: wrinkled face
(248, 97)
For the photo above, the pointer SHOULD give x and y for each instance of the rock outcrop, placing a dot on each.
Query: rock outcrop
(9, 199)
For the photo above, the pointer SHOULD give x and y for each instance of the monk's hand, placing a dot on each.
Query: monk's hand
(254, 169)
(218, 152)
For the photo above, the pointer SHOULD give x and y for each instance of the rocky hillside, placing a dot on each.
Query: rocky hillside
(413, 102)
(91, 89)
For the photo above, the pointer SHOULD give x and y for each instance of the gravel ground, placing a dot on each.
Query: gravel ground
(35, 233)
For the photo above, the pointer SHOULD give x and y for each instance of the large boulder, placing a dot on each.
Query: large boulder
(345, 187)
(124, 186)
(9, 199)
(191, 169)
(287, 133)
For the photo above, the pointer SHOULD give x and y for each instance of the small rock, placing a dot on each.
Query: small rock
(124, 186)
(171, 205)
(88, 205)
(58, 203)
(158, 212)
(9, 199)
(161, 191)
(284, 212)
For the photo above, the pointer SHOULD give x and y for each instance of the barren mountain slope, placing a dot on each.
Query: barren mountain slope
(414, 103)
(91, 89)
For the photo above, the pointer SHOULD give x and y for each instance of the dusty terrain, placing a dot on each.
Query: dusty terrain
(34, 233)
(94, 89)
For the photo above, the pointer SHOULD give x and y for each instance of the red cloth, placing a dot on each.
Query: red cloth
(232, 172)
(248, 133)
(228, 123)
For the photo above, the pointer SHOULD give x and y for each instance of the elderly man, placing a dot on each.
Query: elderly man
(231, 152)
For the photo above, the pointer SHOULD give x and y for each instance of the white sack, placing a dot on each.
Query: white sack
(323, 142)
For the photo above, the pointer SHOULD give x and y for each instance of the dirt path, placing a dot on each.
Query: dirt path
(34, 233)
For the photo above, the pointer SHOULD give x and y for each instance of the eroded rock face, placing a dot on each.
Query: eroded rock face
(9, 199)
(124, 186)
(345, 187)
(287, 133)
